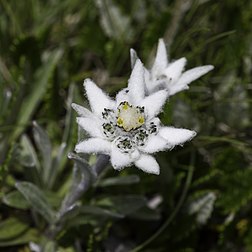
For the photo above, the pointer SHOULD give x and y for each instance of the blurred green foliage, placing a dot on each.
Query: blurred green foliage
(202, 199)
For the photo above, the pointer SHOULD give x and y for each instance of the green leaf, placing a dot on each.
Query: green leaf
(31, 102)
(28, 158)
(50, 246)
(114, 23)
(59, 161)
(28, 155)
(44, 145)
(94, 210)
(83, 177)
(123, 204)
(11, 228)
(146, 214)
(37, 200)
(91, 211)
(124, 180)
(30, 235)
(202, 207)
(16, 199)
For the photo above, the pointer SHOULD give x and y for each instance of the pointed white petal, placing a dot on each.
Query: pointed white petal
(82, 111)
(153, 103)
(136, 83)
(189, 76)
(154, 144)
(133, 57)
(91, 126)
(122, 96)
(94, 145)
(98, 100)
(148, 83)
(174, 70)
(148, 164)
(119, 160)
(161, 60)
(175, 136)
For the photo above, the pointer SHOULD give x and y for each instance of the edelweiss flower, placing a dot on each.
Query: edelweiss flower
(165, 75)
(127, 128)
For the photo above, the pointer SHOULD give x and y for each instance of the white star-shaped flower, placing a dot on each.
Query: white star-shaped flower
(127, 128)
(169, 75)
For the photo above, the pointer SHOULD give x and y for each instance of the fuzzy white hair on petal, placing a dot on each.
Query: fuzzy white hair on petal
(82, 111)
(174, 70)
(193, 74)
(154, 103)
(94, 145)
(176, 136)
(161, 60)
(119, 160)
(98, 100)
(136, 84)
(133, 57)
(122, 96)
(148, 164)
(91, 126)
(154, 144)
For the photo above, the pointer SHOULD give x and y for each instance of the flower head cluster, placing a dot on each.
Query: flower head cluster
(169, 75)
(127, 128)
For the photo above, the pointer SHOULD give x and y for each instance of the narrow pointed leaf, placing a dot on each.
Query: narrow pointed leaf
(125, 180)
(11, 228)
(94, 210)
(44, 145)
(32, 100)
(123, 204)
(30, 235)
(37, 200)
(17, 200)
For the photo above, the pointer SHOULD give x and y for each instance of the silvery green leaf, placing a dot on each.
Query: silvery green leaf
(28, 154)
(146, 214)
(11, 228)
(44, 145)
(50, 246)
(4, 101)
(113, 21)
(83, 177)
(203, 207)
(37, 200)
(123, 204)
(57, 163)
(16, 199)
(39, 88)
(124, 180)
(83, 174)
(95, 210)
(25, 237)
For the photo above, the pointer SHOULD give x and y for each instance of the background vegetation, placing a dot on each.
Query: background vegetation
(202, 199)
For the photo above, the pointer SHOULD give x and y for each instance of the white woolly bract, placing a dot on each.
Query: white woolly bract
(98, 100)
(94, 145)
(154, 103)
(176, 136)
(148, 164)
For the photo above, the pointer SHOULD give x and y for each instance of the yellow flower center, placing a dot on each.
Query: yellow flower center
(130, 117)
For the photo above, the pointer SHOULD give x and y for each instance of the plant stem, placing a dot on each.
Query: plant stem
(175, 211)
(70, 200)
